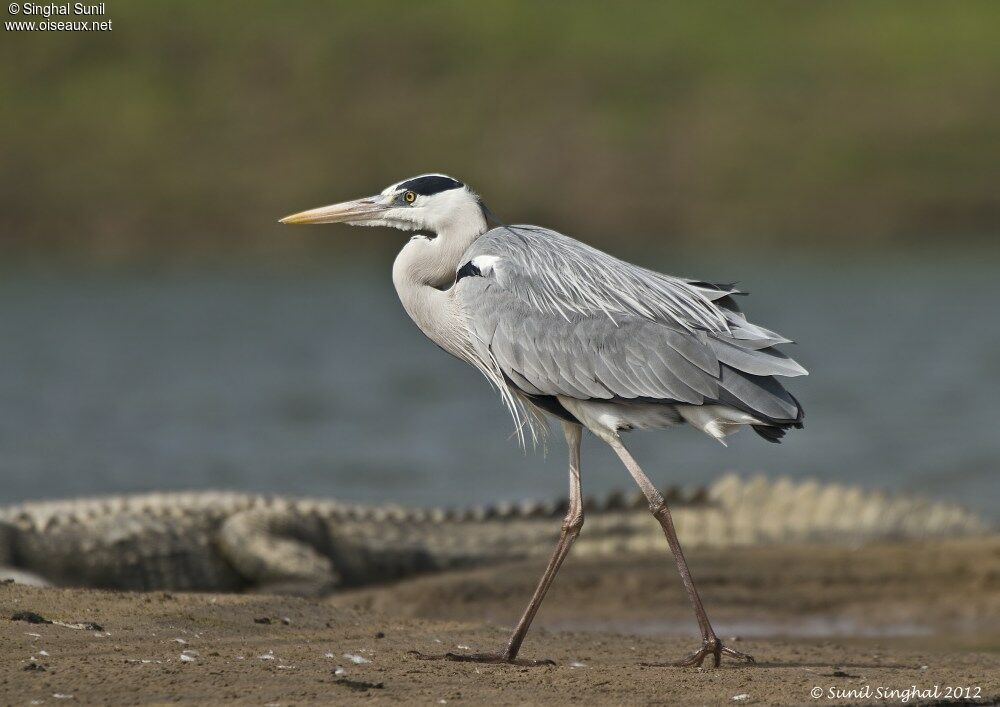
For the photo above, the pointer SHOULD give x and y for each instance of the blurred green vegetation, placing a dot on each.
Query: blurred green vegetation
(192, 126)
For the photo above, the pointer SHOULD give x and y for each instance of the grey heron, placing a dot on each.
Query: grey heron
(564, 330)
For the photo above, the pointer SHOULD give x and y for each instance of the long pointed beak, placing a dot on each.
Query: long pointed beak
(344, 212)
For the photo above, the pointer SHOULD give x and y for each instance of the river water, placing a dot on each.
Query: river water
(315, 382)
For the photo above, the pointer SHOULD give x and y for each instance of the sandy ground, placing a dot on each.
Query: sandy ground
(884, 617)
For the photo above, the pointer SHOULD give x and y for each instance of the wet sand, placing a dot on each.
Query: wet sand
(888, 616)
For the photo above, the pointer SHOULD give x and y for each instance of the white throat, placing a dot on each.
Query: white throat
(424, 272)
(456, 223)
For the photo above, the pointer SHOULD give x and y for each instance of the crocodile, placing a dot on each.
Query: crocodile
(226, 541)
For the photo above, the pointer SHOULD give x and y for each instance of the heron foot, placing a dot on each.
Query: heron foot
(710, 647)
(495, 658)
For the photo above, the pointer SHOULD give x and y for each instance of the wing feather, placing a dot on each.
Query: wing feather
(760, 362)
(561, 318)
(570, 277)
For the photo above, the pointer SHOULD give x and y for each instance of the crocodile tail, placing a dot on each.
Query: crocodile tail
(760, 510)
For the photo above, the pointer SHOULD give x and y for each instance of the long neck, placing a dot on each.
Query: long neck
(431, 262)
(425, 269)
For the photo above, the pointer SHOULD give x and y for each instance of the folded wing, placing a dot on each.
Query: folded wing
(561, 318)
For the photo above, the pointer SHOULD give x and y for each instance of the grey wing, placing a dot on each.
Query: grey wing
(561, 318)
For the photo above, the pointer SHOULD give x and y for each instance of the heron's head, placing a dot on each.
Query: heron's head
(430, 202)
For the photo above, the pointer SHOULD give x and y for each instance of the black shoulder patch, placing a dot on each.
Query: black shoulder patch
(468, 270)
(431, 184)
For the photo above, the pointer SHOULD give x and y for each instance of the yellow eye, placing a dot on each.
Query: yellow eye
(410, 197)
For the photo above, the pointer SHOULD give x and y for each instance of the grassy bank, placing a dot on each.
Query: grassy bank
(191, 126)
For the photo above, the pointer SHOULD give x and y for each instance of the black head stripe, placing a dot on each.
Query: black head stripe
(431, 184)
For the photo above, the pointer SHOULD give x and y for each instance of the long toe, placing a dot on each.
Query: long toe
(745, 657)
(712, 648)
(693, 660)
(494, 658)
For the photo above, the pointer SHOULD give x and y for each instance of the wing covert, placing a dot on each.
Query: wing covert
(561, 318)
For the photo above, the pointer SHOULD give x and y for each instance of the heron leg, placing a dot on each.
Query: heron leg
(710, 643)
(571, 525)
